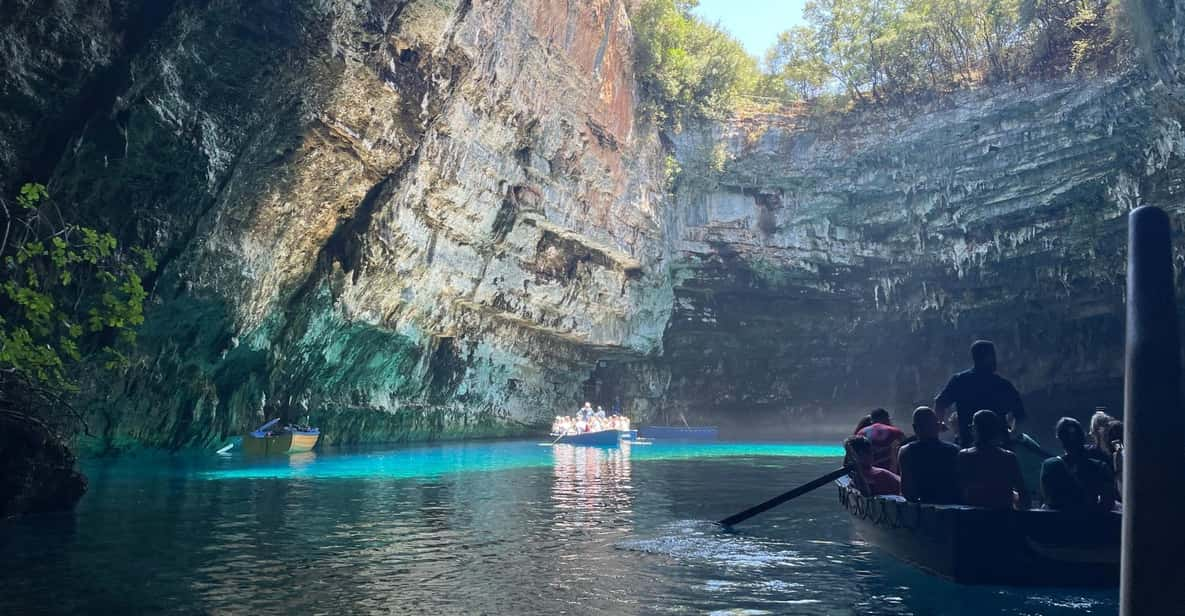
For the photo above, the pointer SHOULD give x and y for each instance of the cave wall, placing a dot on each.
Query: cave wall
(407, 219)
(415, 219)
(830, 265)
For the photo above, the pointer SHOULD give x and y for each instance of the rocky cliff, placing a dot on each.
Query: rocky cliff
(429, 218)
(849, 265)
(406, 219)
(826, 265)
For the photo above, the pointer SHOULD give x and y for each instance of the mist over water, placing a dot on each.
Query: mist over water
(493, 528)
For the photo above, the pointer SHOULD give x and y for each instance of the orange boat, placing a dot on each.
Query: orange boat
(264, 441)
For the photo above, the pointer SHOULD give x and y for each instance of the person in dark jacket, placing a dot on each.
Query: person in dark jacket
(1073, 480)
(929, 465)
(977, 389)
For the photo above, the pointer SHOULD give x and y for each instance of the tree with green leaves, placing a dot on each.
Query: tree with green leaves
(687, 69)
(70, 302)
(875, 51)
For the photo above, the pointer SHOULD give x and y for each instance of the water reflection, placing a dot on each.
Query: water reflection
(595, 482)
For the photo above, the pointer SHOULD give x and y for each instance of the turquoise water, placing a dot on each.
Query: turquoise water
(482, 457)
(475, 528)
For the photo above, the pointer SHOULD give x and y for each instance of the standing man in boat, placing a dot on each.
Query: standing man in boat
(979, 388)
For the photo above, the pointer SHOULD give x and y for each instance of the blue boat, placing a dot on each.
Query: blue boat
(603, 438)
(680, 433)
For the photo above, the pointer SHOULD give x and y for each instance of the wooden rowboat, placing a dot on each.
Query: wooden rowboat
(264, 442)
(973, 545)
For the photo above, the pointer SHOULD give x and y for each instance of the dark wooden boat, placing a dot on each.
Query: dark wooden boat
(265, 441)
(601, 438)
(972, 545)
(680, 433)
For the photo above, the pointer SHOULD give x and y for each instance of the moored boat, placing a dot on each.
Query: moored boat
(680, 433)
(973, 545)
(264, 440)
(600, 438)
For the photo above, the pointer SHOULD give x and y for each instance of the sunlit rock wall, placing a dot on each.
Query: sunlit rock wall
(432, 218)
(825, 266)
(405, 219)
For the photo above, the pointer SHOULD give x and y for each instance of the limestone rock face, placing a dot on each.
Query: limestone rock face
(412, 219)
(405, 219)
(825, 269)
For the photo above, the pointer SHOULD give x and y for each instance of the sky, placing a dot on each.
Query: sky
(755, 22)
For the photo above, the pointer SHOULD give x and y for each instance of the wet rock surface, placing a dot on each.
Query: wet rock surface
(405, 219)
(38, 472)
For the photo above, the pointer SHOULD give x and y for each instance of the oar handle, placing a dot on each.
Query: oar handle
(778, 500)
(1032, 445)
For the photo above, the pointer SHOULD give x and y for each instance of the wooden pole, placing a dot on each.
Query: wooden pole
(1153, 567)
(737, 518)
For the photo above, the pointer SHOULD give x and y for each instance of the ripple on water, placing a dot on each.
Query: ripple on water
(705, 541)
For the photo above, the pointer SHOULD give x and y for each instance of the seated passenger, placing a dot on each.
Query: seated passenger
(1073, 480)
(990, 475)
(874, 416)
(871, 480)
(1098, 448)
(600, 412)
(929, 465)
(1115, 438)
(884, 437)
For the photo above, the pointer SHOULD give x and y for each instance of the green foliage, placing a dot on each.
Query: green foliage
(883, 50)
(68, 296)
(687, 68)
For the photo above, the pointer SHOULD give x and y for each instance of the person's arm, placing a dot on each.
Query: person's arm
(1106, 479)
(1018, 405)
(904, 463)
(1046, 483)
(944, 400)
(1018, 483)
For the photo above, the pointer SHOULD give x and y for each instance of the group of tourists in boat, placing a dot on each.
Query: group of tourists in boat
(589, 420)
(981, 469)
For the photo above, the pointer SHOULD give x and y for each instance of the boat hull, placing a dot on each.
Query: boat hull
(972, 545)
(603, 438)
(680, 433)
(290, 442)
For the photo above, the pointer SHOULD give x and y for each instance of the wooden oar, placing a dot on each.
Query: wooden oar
(778, 500)
(1031, 444)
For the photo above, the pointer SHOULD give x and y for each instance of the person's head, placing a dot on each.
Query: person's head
(587, 405)
(859, 450)
(880, 416)
(983, 355)
(987, 426)
(1071, 434)
(1114, 436)
(925, 423)
(1098, 426)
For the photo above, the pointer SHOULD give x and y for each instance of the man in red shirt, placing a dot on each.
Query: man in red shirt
(884, 437)
(876, 481)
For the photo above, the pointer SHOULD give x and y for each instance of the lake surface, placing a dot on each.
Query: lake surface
(506, 527)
